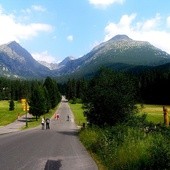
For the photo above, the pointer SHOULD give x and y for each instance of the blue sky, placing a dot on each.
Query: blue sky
(51, 30)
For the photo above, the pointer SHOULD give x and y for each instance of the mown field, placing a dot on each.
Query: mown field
(154, 112)
(7, 116)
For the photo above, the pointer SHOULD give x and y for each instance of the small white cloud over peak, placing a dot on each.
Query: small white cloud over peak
(145, 30)
(44, 56)
(70, 38)
(124, 26)
(104, 3)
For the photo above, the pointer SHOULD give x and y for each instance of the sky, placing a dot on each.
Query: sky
(52, 30)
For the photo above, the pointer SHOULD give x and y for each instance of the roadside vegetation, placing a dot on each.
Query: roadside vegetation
(32, 122)
(78, 113)
(134, 144)
(121, 134)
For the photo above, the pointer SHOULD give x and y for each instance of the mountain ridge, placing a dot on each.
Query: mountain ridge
(119, 53)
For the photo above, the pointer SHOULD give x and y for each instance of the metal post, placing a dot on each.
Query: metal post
(26, 113)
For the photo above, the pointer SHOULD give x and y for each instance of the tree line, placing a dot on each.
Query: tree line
(110, 97)
(41, 95)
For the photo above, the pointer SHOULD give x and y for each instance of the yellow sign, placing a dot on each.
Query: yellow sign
(24, 104)
(23, 101)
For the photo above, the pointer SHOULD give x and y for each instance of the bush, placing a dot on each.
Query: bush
(90, 138)
(110, 98)
(75, 101)
(128, 148)
(159, 153)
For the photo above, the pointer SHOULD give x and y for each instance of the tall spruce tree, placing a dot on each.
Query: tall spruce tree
(53, 92)
(37, 101)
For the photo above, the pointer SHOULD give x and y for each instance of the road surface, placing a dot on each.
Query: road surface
(55, 149)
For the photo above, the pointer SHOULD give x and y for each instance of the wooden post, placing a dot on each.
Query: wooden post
(166, 118)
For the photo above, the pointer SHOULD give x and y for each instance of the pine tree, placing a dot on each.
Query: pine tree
(53, 92)
(37, 101)
(11, 105)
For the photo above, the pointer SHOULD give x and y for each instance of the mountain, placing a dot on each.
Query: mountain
(119, 53)
(15, 61)
(51, 66)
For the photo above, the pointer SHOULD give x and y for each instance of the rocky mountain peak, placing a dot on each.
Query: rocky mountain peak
(121, 37)
(13, 44)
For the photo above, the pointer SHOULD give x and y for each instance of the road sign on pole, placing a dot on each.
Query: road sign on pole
(25, 108)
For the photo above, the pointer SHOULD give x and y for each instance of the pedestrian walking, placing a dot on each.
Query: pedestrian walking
(57, 116)
(47, 123)
(42, 123)
(68, 117)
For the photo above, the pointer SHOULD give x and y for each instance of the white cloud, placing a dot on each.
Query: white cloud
(147, 30)
(11, 30)
(70, 38)
(168, 21)
(104, 3)
(38, 8)
(44, 56)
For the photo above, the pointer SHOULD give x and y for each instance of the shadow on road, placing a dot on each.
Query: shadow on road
(52, 165)
(28, 119)
(70, 133)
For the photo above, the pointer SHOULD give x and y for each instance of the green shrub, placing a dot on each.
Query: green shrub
(159, 153)
(90, 138)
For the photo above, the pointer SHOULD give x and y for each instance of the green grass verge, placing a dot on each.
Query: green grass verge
(34, 123)
(78, 113)
(7, 116)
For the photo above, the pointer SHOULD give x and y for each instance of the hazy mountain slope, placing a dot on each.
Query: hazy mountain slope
(19, 62)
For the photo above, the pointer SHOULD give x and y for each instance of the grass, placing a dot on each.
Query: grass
(107, 150)
(154, 112)
(7, 116)
(78, 113)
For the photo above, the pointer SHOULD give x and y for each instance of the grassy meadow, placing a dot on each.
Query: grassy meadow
(154, 112)
(127, 146)
(7, 116)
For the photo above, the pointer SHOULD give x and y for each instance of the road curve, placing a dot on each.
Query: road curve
(55, 149)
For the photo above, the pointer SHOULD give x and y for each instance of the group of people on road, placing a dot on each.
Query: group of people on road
(45, 122)
(57, 116)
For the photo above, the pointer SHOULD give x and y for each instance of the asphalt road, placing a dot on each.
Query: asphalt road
(55, 149)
